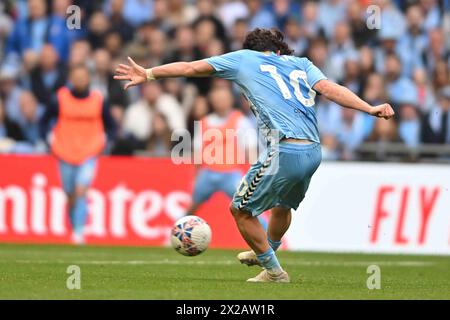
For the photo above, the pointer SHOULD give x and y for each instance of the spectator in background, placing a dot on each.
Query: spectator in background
(318, 54)
(441, 75)
(6, 25)
(30, 61)
(185, 48)
(384, 132)
(294, 37)
(58, 20)
(446, 24)
(232, 10)
(181, 90)
(48, 76)
(181, 13)
(80, 53)
(330, 13)
(258, 16)
(414, 42)
(436, 50)
(328, 117)
(161, 11)
(425, 95)
(10, 92)
(157, 48)
(206, 10)
(351, 75)
(59, 15)
(88, 7)
(388, 37)
(114, 44)
(160, 143)
(10, 132)
(98, 28)
(360, 34)
(238, 33)
(391, 17)
(32, 113)
(215, 48)
(329, 146)
(309, 21)
(118, 22)
(206, 30)
(366, 60)
(436, 124)
(374, 92)
(331, 33)
(139, 116)
(102, 80)
(144, 33)
(200, 109)
(397, 84)
(339, 50)
(137, 12)
(205, 33)
(350, 133)
(431, 12)
(409, 121)
(284, 10)
(35, 30)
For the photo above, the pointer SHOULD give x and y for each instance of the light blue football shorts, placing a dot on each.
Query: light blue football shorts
(81, 175)
(209, 182)
(280, 178)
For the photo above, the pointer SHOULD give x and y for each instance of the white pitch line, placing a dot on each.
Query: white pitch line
(232, 262)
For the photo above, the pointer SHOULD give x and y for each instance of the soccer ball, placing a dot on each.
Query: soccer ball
(191, 235)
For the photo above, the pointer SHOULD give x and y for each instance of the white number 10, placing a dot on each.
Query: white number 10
(294, 77)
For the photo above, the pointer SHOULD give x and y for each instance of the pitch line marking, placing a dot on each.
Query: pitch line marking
(235, 262)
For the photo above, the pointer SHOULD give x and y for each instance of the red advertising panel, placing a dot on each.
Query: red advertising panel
(134, 201)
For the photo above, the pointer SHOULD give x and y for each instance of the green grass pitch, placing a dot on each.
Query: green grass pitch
(39, 272)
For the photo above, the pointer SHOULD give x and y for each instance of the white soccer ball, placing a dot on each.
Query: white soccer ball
(191, 235)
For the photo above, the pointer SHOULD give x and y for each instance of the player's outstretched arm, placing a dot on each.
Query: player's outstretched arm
(344, 97)
(137, 74)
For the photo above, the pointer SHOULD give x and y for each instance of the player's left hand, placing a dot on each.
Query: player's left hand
(134, 73)
(382, 111)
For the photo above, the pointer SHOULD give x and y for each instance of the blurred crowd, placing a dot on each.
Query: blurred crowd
(406, 61)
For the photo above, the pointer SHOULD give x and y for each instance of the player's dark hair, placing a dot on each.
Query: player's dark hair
(267, 40)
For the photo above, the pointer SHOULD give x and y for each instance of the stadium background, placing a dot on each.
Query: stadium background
(139, 192)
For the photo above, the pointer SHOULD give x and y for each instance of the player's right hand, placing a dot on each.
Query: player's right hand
(134, 73)
(382, 111)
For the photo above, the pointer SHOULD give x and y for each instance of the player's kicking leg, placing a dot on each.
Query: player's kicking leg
(280, 181)
(279, 222)
(255, 236)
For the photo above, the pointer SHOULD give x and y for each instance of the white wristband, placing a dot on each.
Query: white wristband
(150, 76)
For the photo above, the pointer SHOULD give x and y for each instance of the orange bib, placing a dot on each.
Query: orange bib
(79, 133)
(221, 144)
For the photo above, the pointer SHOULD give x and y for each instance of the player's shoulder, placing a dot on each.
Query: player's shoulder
(302, 62)
(236, 56)
(246, 52)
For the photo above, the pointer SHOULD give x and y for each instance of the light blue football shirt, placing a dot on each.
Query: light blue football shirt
(279, 89)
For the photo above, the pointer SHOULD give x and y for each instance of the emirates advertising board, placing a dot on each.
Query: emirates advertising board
(350, 207)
